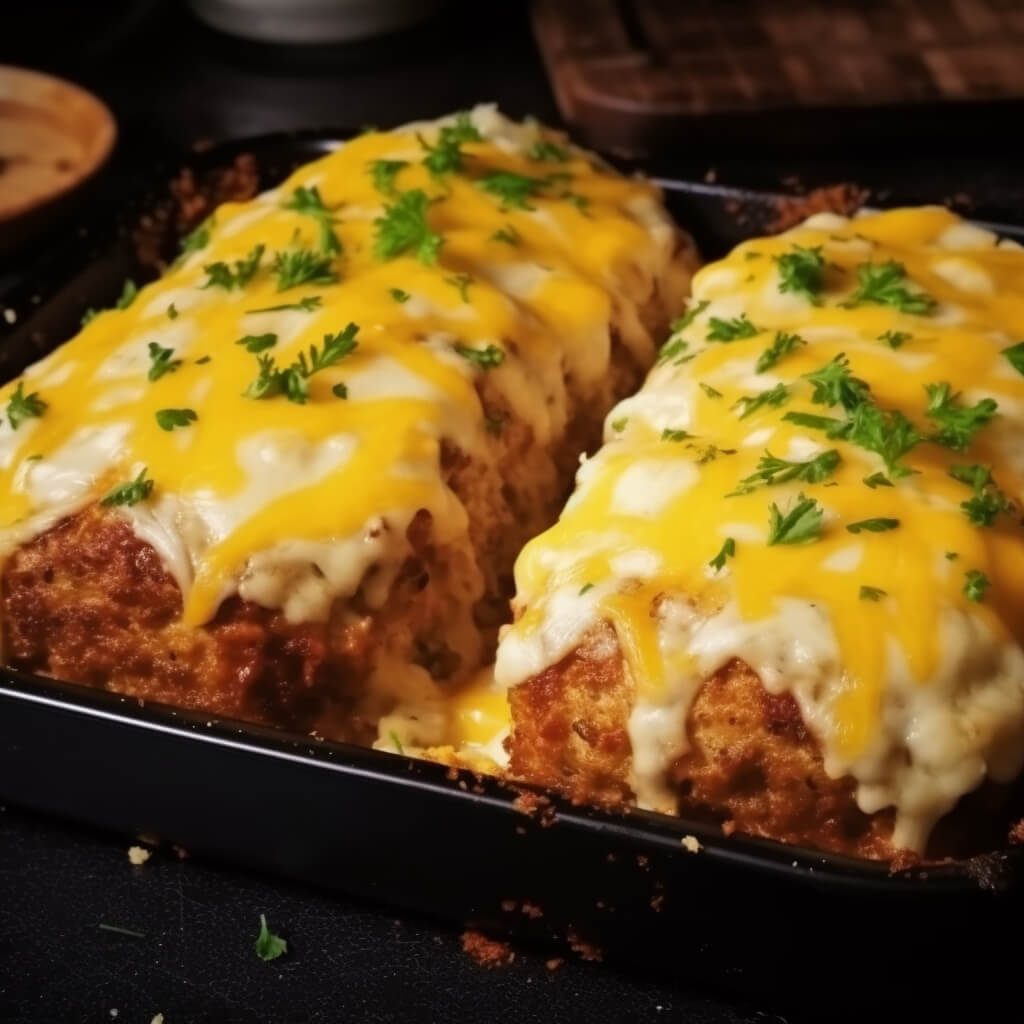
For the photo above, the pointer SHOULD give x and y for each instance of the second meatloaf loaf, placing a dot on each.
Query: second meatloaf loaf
(288, 480)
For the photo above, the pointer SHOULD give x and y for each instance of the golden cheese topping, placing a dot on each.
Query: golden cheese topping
(270, 412)
(822, 476)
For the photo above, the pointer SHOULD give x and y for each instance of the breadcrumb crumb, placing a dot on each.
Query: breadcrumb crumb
(691, 844)
(138, 855)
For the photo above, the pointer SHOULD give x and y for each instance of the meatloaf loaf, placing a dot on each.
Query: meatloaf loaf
(287, 481)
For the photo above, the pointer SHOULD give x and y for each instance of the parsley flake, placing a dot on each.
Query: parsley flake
(130, 493)
(976, 585)
(894, 339)
(220, 275)
(512, 189)
(884, 284)
(508, 235)
(774, 397)
(447, 155)
(878, 480)
(309, 202)
(172, 313)
(709, 390)
(834, 384)
(781, 346)
(395, 741)
(1015, 356)
(957, 423)
(620, 425)
(682, 322)
(302, 266)
(737, 328)
(462, 283)
(404, 227)
(877, 525)
(198, 239)
(23, 407)
(293, 382)
(668, 434)
(544, 149)
(128, 293)
(304, 305)
(800, 522)
(484, 358)
(988, 500)
(268, 945)
(168, 419)
(384, 173)
(872, 593)
(398, 295)
(802, 272)
(771, 471)
(161, 361)
(728, 550)
(257, 343)
(585, 588)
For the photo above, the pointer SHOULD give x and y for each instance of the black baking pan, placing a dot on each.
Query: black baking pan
(739, 912)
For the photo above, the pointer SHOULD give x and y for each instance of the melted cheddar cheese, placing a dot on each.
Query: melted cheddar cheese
(291, 502)
(889, 603)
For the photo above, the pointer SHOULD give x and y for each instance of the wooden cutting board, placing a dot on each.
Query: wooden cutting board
(629, 73)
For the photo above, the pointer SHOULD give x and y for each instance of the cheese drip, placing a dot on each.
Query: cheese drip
(908, 684)
(288, 503)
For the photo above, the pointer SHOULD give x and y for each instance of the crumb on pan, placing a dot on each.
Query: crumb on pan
(486, 952)
(691, 844)
(582, 948)
(138, 855)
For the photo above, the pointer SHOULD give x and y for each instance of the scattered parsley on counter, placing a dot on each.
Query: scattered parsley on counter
(512, 189)
(485, 358)
(384, 172)
(771, 471)
(309, 202)
(257, 343)
(23, 407)
(545, 150)
(130, 493)
(268, 945)
(684, 321)
(728, 550)
(884, 284)
(404, 227)
(302, 266)
(168, 419)
(773, 398)
(508, 235)
(161, 361)
(802, 272)
(877, 525)
(872, 593)
(306, 305)
(800, 522)
(220, 275)
(781, 346)
(1015, 356)
(894, 339)
(731, 330)
(976, 584)
(957, 423)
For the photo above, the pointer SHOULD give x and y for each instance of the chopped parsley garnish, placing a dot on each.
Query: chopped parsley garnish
(485, 358)
(773, 398)
(198, 239)
(802, 272)
(884, 284)
(728, 550)
(781, 346)
(340, 390)
(302, 266)
(620, 425)
(293, 382)
(203, 361)
(877, 525)
(304, 305)
(894, 339)
(672, 348)
(168, 419)
(878, 480)
(709, 390)
(976, 584)
(161, 361)
(951, 556)
(872, 593)
(771, 470)
(384, 173)
(257, 343)
(800, 522)
(127, 296)
(684, 321)
(447, 155)
(308, 201)
(172, 313)
(23, 407)
(887, 433)
(711, 452)
(585, 588)
(130, 493)
(398, 295)
(581, 202)
(89, 315)
(834, 384)
(988, 501)
(512, 189)
(404, 227)
(508, 235)
(737, 328)
(833, 428)
(220, 275)
(668, 434)
(268, 945)
(957, 423)
(543, 149)
(1015, 356)
(395, 741)
(462, 283)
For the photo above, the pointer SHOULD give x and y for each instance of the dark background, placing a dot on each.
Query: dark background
(172, 82)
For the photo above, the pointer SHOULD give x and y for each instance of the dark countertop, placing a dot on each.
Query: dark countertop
(170, 80)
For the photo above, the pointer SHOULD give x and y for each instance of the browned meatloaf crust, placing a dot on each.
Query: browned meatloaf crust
(751, 765)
